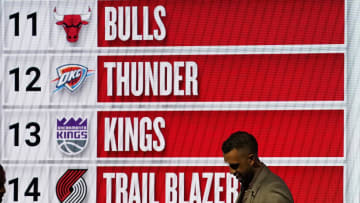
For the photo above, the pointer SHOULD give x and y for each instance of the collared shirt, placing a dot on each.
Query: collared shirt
(266, 187)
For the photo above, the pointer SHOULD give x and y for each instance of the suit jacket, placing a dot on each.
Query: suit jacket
(266, 187)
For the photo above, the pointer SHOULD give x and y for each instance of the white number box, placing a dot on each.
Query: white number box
(42, 80)
(26, 25)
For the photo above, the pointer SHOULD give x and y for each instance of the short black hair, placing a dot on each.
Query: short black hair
(2, 171)
(239, 140)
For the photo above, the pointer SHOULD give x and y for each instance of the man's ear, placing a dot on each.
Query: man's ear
(251, 159)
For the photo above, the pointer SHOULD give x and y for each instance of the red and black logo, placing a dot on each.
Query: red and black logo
(71, 187)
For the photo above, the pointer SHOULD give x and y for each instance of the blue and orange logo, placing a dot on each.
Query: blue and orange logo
(71, 76)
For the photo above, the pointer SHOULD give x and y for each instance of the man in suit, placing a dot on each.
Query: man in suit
(2, 183)
(258, 183)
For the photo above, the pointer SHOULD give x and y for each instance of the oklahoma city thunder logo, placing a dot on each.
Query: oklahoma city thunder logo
(72, 135)
(71, 187)
(71, 76)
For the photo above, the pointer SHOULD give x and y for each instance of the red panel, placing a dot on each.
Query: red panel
(321, 184)
(241, 22)
(290, 133)
(270, 77)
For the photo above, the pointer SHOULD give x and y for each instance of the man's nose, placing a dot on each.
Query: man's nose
(2, 189)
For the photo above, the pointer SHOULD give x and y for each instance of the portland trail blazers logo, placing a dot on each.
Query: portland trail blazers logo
(72, 135)
(71, 187)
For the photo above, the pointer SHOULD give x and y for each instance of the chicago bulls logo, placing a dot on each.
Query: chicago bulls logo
(72, 23)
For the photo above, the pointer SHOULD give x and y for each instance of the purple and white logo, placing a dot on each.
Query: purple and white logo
(72, 135)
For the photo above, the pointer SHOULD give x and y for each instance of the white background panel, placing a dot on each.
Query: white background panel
(26, 40)
(88, 33)
(89, 153)
(23, 97)
(90, 178)
(25, 175)
(24, 151)
(86, 93)
(352, 173)
(1, 64)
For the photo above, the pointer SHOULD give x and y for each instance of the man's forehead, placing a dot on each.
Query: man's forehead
(235, 154)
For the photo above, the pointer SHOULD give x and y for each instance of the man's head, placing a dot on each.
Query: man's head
(2, 183)
(240, 151)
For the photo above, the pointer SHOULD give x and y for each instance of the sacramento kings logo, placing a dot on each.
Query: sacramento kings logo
(72, 135)
(71, 187)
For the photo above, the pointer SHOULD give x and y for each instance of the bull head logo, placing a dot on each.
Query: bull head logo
(72, 23)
